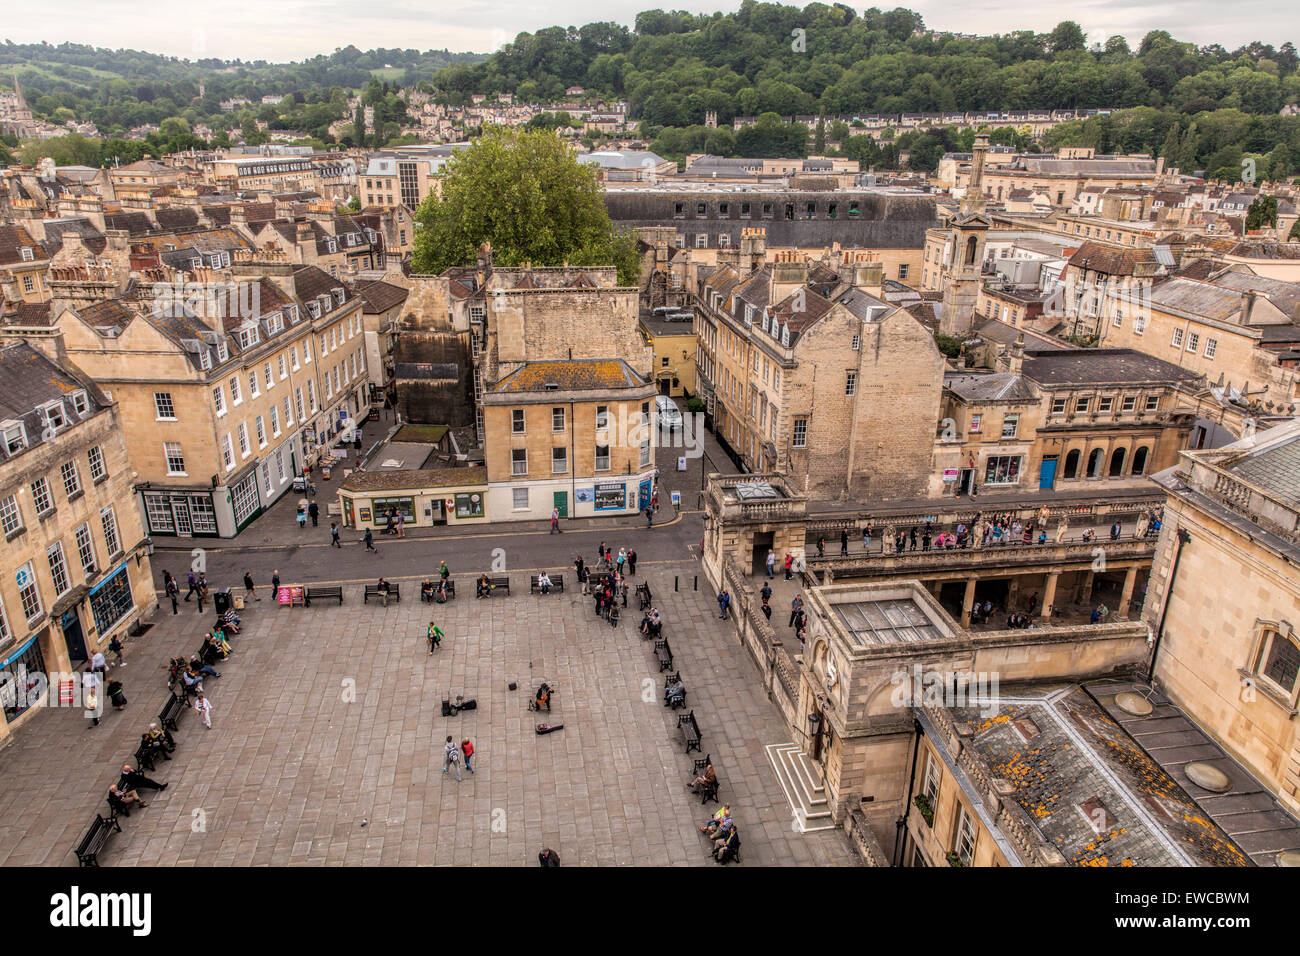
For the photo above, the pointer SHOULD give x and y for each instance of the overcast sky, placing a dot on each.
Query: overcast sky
(294, 29)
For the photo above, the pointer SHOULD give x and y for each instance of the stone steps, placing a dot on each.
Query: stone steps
(802, 786)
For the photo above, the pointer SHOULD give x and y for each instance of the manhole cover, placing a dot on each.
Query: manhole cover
(1289, 858)
(1134, 704)
(1208, 778)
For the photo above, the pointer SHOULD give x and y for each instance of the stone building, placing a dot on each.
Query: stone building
(808, 371)
(1225, 601)
(227, 392)
(76, 561)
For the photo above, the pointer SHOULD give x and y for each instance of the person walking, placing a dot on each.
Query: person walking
(789, 565)
(821, 546)
(467, 751)
(192, 580)
(98, 663)
(115, 644)
(771, 563)
(724, 602)
(844, 542)
(313, 510)
(796, 608)
(401, 524)
(649, 517)
(555, 520)
(334, 535)
(369, 539)
(249, 590)
(631, 561)
(204, 707)
(275, 584)
(171, 590)
(115, 694)
(435, 636)
(203, 590)
(451, 758)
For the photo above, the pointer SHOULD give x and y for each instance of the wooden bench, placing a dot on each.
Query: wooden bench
(324, 593)
(432, 596)
(557, 584)
(100, 830)
(372, 591)
(502, 582)
(643, 595)
(144, 755)
(172, 711)
(690, 729)
(677, 700)
(663, 654)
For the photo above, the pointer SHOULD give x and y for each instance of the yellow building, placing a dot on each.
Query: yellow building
(673, 341)
(76, 561)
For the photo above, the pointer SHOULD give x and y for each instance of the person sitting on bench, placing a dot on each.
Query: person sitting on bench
(384, 589)
(201, 669)
(543, 698)
(484, 586)
(214, 648)
(230, 621)
(707, 779)
(724, 849)
(426, 590)
(133, 780)
(719, 824)
(650, 624)
(125, 797)
(673, 689)
(544, 582)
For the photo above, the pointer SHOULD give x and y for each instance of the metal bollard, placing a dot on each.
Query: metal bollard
(696, 585)
(674, 582)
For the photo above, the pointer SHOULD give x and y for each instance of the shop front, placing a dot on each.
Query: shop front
(423, 498)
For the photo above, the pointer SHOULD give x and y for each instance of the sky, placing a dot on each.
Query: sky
(295, 29)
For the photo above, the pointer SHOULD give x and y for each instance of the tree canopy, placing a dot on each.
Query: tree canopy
(525, 193)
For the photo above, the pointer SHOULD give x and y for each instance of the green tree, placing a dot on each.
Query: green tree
(1262, 212)
(526, 194)
(1067, 35)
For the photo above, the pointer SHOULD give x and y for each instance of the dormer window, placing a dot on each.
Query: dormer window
(785, 335)
(291, 313)
(27, 254)
(15, 437)
(339, 296)
(80, 403)
(274, 323)
(55, 416)
(313, 308)
(326, 303)
(205, 358)
(248, 337)
(331, 245)
(223, 351)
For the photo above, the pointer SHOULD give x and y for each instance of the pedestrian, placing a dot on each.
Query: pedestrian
(98, 664)
(204, 707)
(435, 636)
(401, 524)
(866, 538)
(555, 520)
(821, 546)
(771, 563)
(443, 571)
(369, 539)
(203, 590)
(115, 643)
(451, 758)
(649, 516)
(767, 610)
(275, 584)
(631, 561)
(114, 691)
(313, 509)
(765, 592)
(796, 607)
(249, 590)
(91, 700)
(1115, 531)
(172, 591)
(789, 564)
(912, 539)
(192, 580)
(334, 535)
(844, 541)
(467, 751)
(724, 601)
(622, 559)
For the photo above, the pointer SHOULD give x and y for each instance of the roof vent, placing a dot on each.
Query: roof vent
(1208, 777)
(552, 386)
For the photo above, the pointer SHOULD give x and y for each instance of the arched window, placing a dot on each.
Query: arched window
(971, 243)
(1072, 464)
(1140, 460)
(1117, 463)
(1280, 659)
(1094, 462)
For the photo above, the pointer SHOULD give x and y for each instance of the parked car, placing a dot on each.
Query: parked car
(667, 412)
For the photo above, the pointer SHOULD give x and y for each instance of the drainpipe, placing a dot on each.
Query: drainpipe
(1183, 538)
(911, 786)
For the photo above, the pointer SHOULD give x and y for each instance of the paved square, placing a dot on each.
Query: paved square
(292, 767)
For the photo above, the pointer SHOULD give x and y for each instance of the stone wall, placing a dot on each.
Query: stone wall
(435, 401)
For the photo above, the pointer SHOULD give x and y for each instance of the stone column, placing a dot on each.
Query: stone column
(1049, 596)
(967, 601)
(1126, 595)
(1013, 593)
(1085, 588)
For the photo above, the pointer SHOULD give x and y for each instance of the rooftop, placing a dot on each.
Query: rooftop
(573, 375)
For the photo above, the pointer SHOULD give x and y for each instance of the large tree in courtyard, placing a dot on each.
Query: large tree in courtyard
(526, 194)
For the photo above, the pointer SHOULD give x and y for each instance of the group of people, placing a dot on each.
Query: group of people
(787, 564)
(308, 510)
(651, 625)
(723, 836)
(97, 671)
(452, 755)
(126, 791)
(431, 592)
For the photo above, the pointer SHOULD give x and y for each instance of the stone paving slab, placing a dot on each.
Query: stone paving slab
(292, 768)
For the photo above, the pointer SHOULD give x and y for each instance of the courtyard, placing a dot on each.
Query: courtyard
(327, 739)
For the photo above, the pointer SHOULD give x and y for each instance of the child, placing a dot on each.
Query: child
(204, 707)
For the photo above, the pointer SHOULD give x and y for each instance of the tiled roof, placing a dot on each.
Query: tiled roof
(14, 238)
(1109, 259)
(379, 296)
(110, 313)
(996, 387)
(574, 375)
(310, 282)
(1100, 367)
(27, 379)
(1275, 469)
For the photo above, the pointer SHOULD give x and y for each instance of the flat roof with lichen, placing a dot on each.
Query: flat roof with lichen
(366, 482)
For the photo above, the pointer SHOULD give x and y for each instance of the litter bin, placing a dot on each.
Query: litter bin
(221, 601)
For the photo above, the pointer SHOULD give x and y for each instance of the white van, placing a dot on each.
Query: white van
(667, 413)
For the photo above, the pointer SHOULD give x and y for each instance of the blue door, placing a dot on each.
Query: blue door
(1047, 474)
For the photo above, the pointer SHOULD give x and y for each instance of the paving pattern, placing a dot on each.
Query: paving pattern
(328, 717)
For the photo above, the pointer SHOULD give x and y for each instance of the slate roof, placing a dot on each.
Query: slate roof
(379, 296)
(28, 378)
(576, 375)
(135, 223)
(110, 313)
(1275, 469)
(995, 387)
(310, 282)
(176, 217)
(14, 238)
(995, 330)
(1109, 259)
(1100, 367)
(1284, 295)
(1199, 298)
